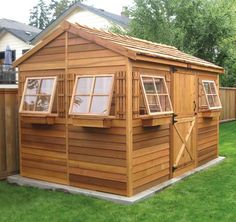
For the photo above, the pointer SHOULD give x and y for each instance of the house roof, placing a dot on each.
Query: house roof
(133, 48)
(117, 19)
(20, 30)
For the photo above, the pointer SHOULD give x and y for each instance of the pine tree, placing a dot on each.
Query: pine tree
(39, 15)
(57, 7)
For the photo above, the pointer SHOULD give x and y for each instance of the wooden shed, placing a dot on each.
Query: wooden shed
(114, 113)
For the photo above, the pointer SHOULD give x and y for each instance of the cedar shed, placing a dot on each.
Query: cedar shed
(114, 113)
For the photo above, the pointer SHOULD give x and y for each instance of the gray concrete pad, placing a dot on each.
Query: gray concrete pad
(22, 181)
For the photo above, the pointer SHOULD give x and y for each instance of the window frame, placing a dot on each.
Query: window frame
(216, 94)
(145, 95)
(52, 95)
(91, 94)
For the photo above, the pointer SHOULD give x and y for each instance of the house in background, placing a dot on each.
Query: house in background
(88, 16)
(17, 36)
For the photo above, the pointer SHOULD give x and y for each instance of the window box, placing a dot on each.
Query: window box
(92, 121)
(38, 119)
(157, 120)
(210, 114)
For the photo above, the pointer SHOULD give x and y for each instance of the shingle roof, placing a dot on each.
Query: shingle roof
(118, 19)
(20, 30)
(147, 48)
(134, 48)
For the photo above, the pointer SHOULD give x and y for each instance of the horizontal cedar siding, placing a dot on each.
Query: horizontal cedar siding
(43, 152)
(50, 57)
(82, 54)
(150, 156)
(207, 143)
(97, 159)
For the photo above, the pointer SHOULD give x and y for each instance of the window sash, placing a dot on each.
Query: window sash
(91, 94)
(38, 95)
(157, 96)
(215, 99)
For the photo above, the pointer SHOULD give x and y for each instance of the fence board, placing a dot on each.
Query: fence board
(228, 100)
(9, 148)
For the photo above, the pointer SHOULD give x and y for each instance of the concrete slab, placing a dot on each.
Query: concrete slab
(22, 181)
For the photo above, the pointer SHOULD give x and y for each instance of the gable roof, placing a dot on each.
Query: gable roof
(133, 48)
(18, 29)
(117, 19)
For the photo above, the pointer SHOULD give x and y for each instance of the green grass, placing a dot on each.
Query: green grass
(206, 196)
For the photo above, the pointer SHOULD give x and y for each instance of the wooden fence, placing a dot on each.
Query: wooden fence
(228, 100)
(9, 148)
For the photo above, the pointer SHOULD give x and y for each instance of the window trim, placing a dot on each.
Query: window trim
(110, 95)
(145, 95)
(217, 94)
(55, 78)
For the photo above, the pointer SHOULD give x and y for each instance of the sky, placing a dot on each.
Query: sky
(19, 10)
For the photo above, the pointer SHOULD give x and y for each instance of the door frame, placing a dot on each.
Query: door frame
(194, 130)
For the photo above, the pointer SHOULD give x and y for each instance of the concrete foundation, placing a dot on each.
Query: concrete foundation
(22, 181)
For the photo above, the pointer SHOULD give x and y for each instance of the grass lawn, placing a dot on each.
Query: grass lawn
(206, 196)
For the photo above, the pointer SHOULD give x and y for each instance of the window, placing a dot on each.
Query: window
(156, 95)
(92, 95)
(211, 94)
(24, 51)
(38, 95)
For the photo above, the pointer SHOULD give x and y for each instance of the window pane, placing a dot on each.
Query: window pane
(32, 86)
(211, 101)
(216, 100)
(80, 104)
(207, 87)
(153, 103)
(84, 86)
(103, 85)
(46, 86)
(99, 104)
(42, 104)
(160, 85)
(165, 103)
(148, 85)
(29, 103)
(212, 87)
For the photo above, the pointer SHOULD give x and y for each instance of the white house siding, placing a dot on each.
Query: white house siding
(90, 19)
(14, 43)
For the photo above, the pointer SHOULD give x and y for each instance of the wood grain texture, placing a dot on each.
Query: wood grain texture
(9, 144)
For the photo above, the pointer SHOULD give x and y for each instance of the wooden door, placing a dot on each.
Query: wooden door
(184, 123)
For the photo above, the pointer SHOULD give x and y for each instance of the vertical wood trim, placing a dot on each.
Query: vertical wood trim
(218, 118)
(66, 104)
(171, 126)
(129, 127)
(197, 93)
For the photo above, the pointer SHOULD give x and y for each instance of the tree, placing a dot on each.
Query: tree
(57, 7)
(203, 28)
(42, 14)
(39, 15)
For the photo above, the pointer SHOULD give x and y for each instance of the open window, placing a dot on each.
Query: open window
(92, 95)
(156, 95)
(211, 98)
(157, 101)
(38, 95)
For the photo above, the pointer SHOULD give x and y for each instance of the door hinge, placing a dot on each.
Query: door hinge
(173, 118)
